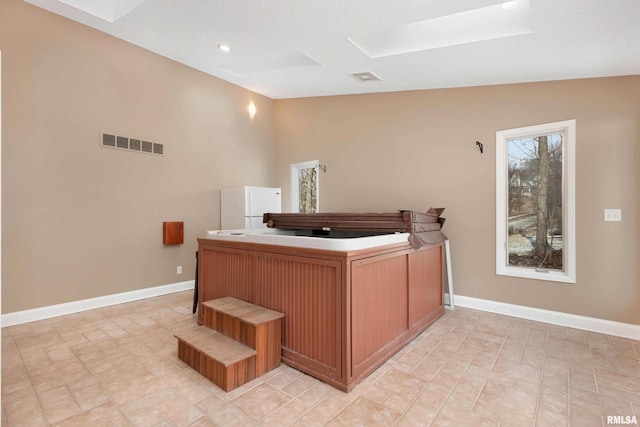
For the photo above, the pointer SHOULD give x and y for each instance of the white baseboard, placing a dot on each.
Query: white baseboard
(592, 324)
(619, 329)
(41, 313)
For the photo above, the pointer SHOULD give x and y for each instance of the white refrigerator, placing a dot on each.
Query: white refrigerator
(243, 207)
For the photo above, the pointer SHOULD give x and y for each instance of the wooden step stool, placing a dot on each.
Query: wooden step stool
(239, 342)
(225, 362)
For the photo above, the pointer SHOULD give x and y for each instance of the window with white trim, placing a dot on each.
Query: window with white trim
(535, 202)
(305, 187)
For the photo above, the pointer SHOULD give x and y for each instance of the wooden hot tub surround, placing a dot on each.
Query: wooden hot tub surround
(346, 312)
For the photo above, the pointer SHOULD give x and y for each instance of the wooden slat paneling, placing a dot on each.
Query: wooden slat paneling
(306, 291)
(379, 309)
(226, 363)
(265, 337)
(331, 331)
(224, 273)
(425, 282)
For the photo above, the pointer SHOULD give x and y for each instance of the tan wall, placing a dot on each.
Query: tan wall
(81, 221)
(414, 150)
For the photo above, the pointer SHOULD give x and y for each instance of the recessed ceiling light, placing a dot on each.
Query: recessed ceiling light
(223, 47)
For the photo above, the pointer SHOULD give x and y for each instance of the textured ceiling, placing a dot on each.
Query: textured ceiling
(300, 48)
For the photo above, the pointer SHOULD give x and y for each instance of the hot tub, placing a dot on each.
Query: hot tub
(334, 240)
(350, 299)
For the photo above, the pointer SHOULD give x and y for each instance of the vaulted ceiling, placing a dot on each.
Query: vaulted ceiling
(301, 48)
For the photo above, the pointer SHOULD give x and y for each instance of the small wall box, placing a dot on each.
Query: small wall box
(173, 232)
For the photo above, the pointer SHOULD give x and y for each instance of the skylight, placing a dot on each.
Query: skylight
(107, 10)
(506, 19)
(269, 62)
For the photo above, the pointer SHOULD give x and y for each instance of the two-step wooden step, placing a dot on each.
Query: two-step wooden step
(239, 342)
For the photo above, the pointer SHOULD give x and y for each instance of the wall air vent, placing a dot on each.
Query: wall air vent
(365, 76)
(108, 140)
(122, 142)
(131, 144)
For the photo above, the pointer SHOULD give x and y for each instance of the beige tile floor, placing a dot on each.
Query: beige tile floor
(118, 366)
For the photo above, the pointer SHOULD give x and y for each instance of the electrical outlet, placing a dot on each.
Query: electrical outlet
(179, 270)
(613, 214)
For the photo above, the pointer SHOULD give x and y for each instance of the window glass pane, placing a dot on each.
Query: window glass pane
(308, 190)
(535, 202)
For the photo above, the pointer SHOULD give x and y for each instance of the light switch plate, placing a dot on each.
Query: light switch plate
(613, 214)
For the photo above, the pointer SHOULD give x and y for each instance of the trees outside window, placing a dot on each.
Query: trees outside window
(535, 202)
(308, 190)
(305, 187)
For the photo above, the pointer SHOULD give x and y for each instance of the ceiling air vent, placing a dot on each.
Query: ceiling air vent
(365, 76)
(131, 144)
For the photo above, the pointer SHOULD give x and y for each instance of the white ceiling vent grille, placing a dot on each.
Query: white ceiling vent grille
(365, 76)
(131, 144)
